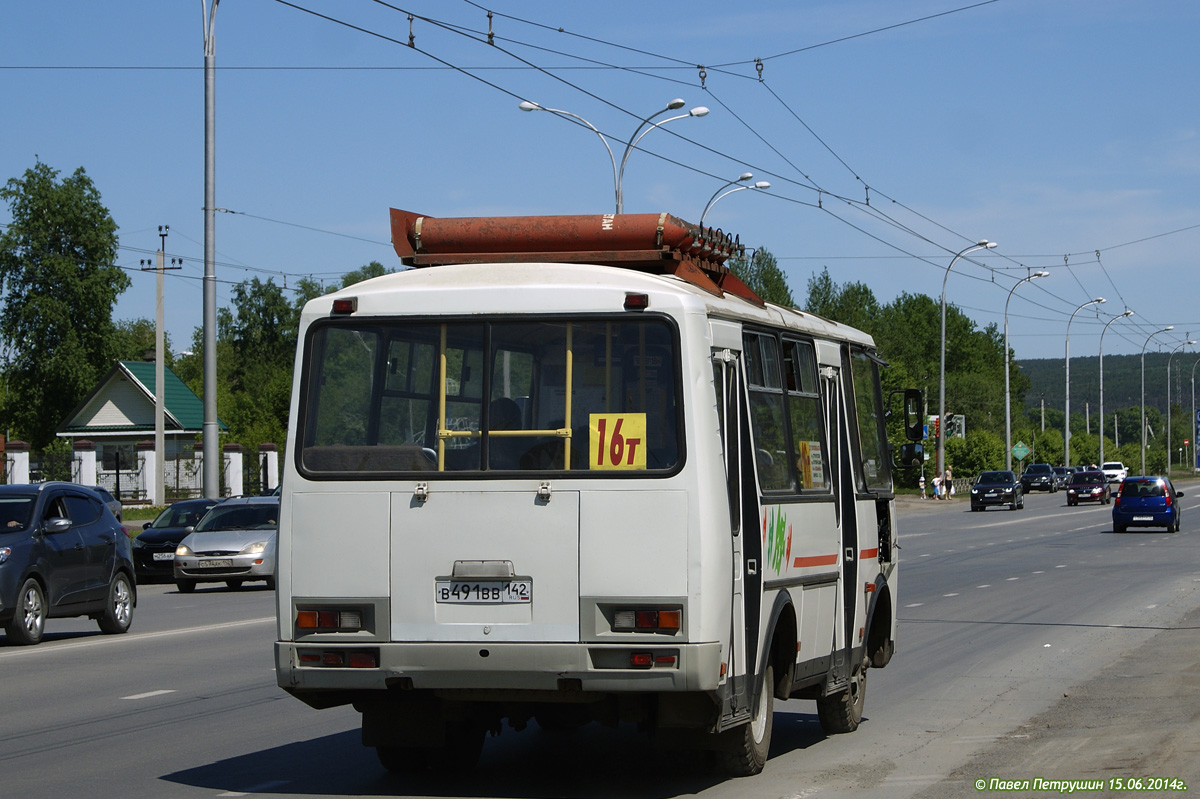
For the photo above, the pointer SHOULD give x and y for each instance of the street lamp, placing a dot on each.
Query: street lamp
(1007, 399)
(674, 105)
(719, 193)
(1067, 399)
(982, 244)
(1187, 343)
(1102, 332)
(528, 106)
(1144, 346)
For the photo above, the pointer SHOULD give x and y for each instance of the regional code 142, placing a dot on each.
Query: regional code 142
(1075, 786)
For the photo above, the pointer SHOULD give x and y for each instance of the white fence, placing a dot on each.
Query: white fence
(182, 477)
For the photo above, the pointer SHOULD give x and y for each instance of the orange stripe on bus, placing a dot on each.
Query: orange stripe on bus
(820, 560)
(868, 554)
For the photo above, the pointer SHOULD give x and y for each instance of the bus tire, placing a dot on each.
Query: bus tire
(841, 712)
(750, 743)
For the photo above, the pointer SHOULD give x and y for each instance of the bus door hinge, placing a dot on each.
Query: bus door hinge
(544, 491)
(421, 492)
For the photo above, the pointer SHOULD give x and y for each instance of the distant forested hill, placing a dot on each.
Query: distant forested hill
(1122, 381)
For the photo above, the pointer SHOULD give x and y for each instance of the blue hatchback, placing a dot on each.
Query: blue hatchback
(1146, 502)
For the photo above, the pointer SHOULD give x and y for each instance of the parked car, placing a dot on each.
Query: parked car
(1088, 487)
(1061, 475)
(62, 553)
(1039, 476)
(1115, 471)
(112, 502)
(234, 543)
(997, 488)
(1146, 502)
(154, 547)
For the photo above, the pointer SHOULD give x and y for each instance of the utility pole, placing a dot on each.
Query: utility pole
(160, 403)
(212, 474)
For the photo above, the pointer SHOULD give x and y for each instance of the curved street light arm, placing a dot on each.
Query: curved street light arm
(1007, 397)
(698, 111)
(762, 184)
(941, 436)
(1067, 397)
(531, 106)
(1144, 346)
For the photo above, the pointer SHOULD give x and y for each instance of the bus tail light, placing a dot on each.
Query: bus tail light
(329, 620)
(340, 658)
(646, 620)
(346, 305)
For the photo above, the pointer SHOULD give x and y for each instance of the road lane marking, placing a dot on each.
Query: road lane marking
(47, 648)
(149, 694)
(263, 788)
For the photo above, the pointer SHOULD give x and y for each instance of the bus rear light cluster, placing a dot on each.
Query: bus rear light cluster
(647, 620)
(329, 620)
(341, 658)
(648, 660)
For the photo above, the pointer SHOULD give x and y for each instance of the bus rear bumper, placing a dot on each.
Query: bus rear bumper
(319, 667)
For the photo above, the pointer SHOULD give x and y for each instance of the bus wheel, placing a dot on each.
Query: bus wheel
(750, 742)
(841, 712)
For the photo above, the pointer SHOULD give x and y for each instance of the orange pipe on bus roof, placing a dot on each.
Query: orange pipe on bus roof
(414, 233)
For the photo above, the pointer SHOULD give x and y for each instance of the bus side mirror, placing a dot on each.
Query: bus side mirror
(914, 424)
(911, 455)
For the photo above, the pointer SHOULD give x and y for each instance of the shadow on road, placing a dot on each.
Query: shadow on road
(590, 762)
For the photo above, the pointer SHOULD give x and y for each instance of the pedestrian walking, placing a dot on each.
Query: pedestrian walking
(921, 483)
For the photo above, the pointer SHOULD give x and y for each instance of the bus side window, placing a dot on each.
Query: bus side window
(767, 415)
(804, 413)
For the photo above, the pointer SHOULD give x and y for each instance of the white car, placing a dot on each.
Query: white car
(1115, 471)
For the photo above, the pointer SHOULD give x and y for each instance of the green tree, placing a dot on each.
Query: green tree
(60, 284)
(764, 277)
(851, 304)
(133, 340)
(373, 269)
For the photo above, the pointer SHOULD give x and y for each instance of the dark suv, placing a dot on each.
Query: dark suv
(62, 553)
(1039, 476)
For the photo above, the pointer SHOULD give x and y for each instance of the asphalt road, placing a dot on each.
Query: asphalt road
(1033, 643)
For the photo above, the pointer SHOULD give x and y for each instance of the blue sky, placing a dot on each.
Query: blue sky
(1059, 129)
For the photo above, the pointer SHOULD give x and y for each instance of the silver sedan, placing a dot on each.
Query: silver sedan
(234, 543)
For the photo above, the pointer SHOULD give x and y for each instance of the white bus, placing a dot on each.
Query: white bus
(572, 470)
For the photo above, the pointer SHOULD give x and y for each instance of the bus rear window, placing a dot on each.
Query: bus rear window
(382, 398)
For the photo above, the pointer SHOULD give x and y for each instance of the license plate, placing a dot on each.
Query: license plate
(215, 564)
(484, 592)
(990, 494)
(164, 556)
(1143, 518)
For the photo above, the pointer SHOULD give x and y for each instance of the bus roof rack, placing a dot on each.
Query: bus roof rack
(656, 243)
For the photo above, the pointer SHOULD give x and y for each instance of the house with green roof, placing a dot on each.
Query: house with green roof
(119, 412)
